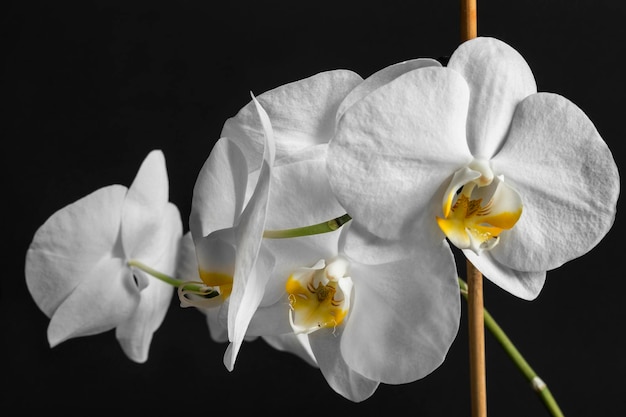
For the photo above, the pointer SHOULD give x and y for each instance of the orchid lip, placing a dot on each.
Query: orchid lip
(319, 297)
(478, 207)
(212, 291)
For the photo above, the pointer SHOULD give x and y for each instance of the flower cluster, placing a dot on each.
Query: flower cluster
(322, 219)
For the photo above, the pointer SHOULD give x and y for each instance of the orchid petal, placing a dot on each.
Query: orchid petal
(247, 304)
(135, 335)
(289, 342)
(251, 270)
(71, 243)
(325, 344)
(567, 179)
(216, 254)
(144, 207)
(301, 194)
(395, 148)
(219, 191)
(407, 314)
(302, 114)
(271, 320)
(216, 321)
(364, 247)
(383, 77)
(523, 284)
(187, 263)
(105, 298)
(498, 78)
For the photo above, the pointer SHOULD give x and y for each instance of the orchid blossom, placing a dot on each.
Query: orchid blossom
(520, 181)
(226, 225)
(78, 266)
(361, 324)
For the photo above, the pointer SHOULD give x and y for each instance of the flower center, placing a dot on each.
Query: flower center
(478, 207)
(319, 296)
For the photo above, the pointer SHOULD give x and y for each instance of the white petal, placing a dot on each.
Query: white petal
(301, 195)
(144, 206)
(407, 313)
(250, 276)
(104, 299)
(135, 334)
(216, 320)
(216, 253)
(366, 248)
(325, 344)
(187, 264)
(396, 150)
(290, 342)
(567, 179)
(302, 114)
(383, 77)
(272, 320)
(219, 191)
(522, 284)
(69, 245)
(499, 78)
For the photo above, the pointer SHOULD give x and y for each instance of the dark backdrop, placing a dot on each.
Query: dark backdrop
(90, 87)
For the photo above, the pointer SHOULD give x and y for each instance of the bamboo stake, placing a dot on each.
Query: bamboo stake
(475, 302)
(468, 20)
(476, 317)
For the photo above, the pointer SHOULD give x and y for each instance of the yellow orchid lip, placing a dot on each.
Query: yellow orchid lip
(319, 297)
(218, 280)
(475, 217)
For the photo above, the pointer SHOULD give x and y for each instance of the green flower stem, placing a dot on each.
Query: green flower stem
(324, 227)
(537, 383)
(165, 278)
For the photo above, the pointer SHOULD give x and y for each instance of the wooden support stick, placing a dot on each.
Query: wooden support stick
(468, 20)
(475, 302)
(476, 321)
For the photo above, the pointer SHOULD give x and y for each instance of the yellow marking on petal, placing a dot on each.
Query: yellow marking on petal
(314, 306)
(447, 206)
(454, 229)
(472, 225)
(504, 220)
(223, 282)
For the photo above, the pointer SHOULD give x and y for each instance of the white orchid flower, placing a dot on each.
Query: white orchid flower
(361, 324)
(77, 266)
(227, 225)
(521, 181)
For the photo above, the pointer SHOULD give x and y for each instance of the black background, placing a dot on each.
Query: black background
(90, 87)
